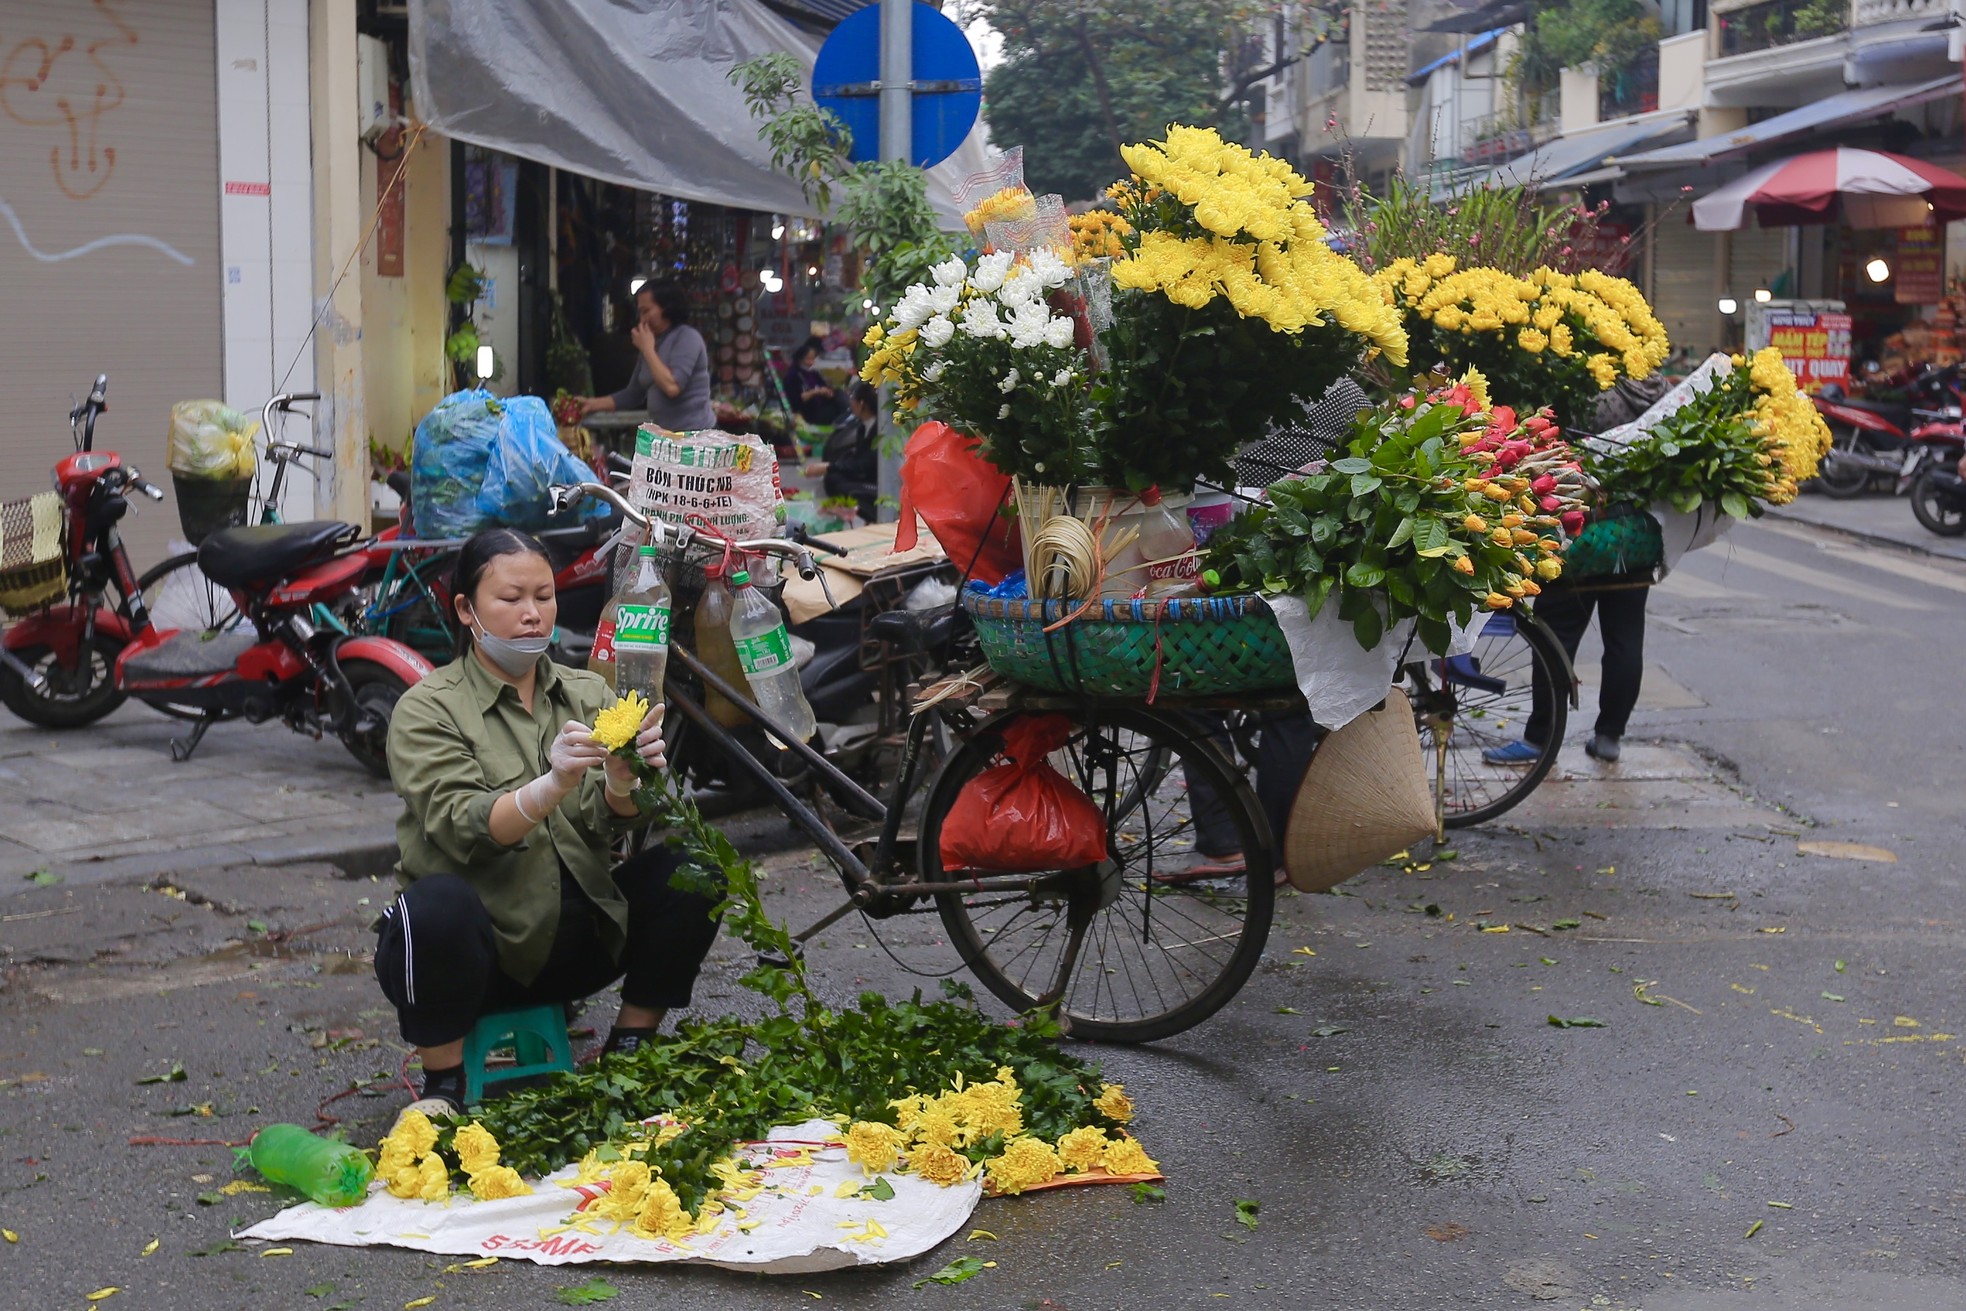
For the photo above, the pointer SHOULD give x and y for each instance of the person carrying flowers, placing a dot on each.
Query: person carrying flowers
(512, 801)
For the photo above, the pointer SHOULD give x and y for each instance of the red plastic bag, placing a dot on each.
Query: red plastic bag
(1023, 816)
(947, 481)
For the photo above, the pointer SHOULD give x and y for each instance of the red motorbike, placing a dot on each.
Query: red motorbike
(73, 661)
(1874, 439)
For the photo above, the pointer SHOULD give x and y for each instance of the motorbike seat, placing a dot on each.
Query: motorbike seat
(259, 555)
(1898, 416)
(915, 630)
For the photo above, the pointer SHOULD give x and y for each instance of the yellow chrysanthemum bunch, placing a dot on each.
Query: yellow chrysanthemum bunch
(934, 1135)
(1247, 236)
(1098, 234)
(1787, 422)
(616, 727)
(889, 352)
(408, 1163)
(477, 1156)
(1009, 204)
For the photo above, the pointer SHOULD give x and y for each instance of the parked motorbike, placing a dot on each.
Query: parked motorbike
(1875, 440)
(71, 663)
(1938, 493)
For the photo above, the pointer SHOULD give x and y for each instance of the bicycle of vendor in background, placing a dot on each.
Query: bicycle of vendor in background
(1129, 949)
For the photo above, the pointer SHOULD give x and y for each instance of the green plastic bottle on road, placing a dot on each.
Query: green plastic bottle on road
(331, 1173)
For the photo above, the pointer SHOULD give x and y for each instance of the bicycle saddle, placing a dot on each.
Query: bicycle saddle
(260, 555)
(915, 630)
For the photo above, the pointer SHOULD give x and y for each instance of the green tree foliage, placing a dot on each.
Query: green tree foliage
(1080, 78)
(1610, 34)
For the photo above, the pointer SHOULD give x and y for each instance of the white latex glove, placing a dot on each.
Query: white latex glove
(572, 754)
(648, 745)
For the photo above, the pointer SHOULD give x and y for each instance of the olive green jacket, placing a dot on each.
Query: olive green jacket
(459, 740)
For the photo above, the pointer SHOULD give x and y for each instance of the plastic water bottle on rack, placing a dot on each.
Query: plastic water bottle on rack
(714, 648)
(764, 648)
(641, 629)
(1166, 546)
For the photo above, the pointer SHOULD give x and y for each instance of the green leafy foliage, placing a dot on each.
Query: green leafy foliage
(1381, 527)
(1511, 228)
(1707, 452)
(1246, 1210)
(587, 1294)
(957, 1271)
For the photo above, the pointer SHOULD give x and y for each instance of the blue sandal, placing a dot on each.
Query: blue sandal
(1515, 753)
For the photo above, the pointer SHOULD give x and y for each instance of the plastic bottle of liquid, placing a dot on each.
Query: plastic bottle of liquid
(1166, 545)
(333, 1174)
(764, 648)
(641, 630)
(715, 649)
(623, 569)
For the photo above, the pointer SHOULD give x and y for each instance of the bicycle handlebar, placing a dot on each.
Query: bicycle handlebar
(564, 496)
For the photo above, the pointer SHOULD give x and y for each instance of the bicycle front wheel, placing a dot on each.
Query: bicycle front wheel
(1157, 937)
(1481, 702)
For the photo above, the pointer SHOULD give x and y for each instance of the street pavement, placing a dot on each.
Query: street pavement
(1758, 904)
(1875, 518)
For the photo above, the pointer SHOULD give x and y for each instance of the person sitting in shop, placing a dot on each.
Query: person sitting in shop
(672, 374)
(853, 457)
(811, 395)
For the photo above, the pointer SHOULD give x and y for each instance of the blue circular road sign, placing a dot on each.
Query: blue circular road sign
(948, 83)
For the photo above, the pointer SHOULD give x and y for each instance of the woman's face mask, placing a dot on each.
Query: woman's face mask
(514, 595)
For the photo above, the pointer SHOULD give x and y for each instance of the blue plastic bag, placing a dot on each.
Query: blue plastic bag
(485, 461)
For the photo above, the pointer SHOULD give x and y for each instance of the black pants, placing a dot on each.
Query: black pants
(1621, 623)
(1283, 752)
(436, 956)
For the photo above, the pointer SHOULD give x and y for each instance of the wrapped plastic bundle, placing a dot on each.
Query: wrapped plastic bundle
(483, 461)
(208, 440)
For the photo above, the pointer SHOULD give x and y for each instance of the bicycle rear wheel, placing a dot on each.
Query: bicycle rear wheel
(1144, 944)
(1482, 701)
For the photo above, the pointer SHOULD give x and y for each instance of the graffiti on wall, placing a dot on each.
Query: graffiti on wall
(65, 83)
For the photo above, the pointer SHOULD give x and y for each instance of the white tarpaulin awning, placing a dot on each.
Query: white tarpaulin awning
(634, 92)
(1831, 111)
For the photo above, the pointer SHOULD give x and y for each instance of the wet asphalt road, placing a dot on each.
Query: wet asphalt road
(1441, 1144)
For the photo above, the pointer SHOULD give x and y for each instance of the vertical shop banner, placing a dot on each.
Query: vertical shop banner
(1921, 266)
(1815, 344)
(389, 200)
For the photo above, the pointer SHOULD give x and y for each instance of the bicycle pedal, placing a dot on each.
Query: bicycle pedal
(771, 960)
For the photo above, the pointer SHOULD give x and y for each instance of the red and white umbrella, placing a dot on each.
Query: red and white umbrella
(1864, 188)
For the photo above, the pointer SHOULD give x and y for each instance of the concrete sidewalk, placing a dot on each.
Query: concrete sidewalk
(108, 802)
(1873, 517)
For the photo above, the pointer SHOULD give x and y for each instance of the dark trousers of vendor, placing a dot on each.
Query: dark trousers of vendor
(1619, 604)
(436, 956)
(1283, 752)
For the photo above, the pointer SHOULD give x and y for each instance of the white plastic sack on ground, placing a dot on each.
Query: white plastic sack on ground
(802, 1224)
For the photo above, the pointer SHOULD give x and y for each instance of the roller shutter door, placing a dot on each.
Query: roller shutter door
(109, 239)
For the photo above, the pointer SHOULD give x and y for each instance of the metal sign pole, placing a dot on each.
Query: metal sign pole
(897, 115)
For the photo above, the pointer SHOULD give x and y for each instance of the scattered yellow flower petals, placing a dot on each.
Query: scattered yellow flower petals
(421, 1301)
(1302, 951)
(238, 1186)
(9, 1235)
(277, 1251)
(148, 1248)
(101, 1293)
(976, 1234)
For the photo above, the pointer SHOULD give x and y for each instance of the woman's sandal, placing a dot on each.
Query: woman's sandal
(1210, 867)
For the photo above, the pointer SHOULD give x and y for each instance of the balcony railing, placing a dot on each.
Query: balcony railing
(1633, 89)
(1781, 23)
(1870, 12)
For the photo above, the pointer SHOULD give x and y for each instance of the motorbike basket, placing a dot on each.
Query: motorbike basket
(205, 505)
(33, 566)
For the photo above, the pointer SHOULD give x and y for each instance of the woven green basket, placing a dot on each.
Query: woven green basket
(1208, 646)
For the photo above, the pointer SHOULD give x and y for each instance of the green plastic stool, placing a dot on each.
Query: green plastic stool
(537, 1035)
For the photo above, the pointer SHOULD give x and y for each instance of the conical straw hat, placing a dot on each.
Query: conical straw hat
(1364, 797)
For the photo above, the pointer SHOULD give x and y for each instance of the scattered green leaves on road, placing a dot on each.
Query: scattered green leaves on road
(1577, 1022)
(175, 1074)
(1830, 996)
(1288, 1010)
(963, 1267)
(1567, 924)
(1839, 967)
(1753, 1229)
(1148, 1193)
(41, 878)
(587, 1294)
(1328, 1031)
(1246, 1210)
